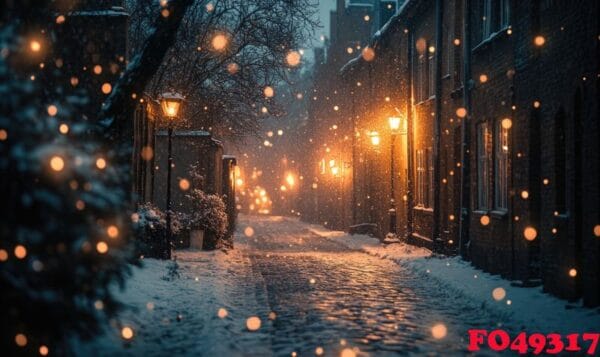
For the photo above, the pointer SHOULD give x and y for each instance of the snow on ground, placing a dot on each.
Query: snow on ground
(180, 314)
(531, 307)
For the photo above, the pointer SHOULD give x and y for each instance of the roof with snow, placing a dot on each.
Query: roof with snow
(380, 38)
(184, 133)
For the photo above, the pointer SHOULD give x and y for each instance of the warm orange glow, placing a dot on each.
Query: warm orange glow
(106, 88)
(290, 179)
(220, 42)
(539, 41)
(439, 331)
(43, 350)
(253, 323)
(348, 352)
(112, 231)
(20, 252)
(506, 123)
(573, 273)
(461, 112)
(35, 46)
(21, 340)
(484, 220)
(483, 78)
(184, 184)
(498, 294)
(52, 110)
(269, 92)
(57, 163)
(101, 163)
(222, 313)
(293, 58)
(102, 247)
(127, 333)
(63, 128)
(170, 103)
(375, 138)
(530, 233)
(597, 230)
(368, 54)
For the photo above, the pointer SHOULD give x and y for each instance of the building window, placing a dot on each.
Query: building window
(430, 74)
(429, 200)
(420, 77)
(421, 182)
(501, 168)
(495, 16)
(484, 157)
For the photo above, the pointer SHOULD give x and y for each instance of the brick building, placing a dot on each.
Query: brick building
(500, 161)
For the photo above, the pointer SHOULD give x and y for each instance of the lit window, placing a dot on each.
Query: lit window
(421, 182)
(501, 167)
(484, 157)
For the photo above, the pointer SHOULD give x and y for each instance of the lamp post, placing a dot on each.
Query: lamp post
(397, 126)
(375, 141)
(169, 103)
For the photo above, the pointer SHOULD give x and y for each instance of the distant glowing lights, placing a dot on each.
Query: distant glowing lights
(368, 54)
(439, 331)
(127, 333)
(57, 163)
(293, 58)
(52, 110)
(112, 231)
(102, 247)
(461, 112)
(222, 313)
(101, 163)
(539, 40)
(184, 184)
(35, 45)
(484, 220)
(530, 233)
(219, 42)
(20, 252)
(253, 323)
(498, 294)
(106, 88)
(506, 123)
(269, 92)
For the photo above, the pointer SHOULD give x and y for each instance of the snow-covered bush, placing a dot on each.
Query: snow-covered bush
(209, 214)
(150, 224)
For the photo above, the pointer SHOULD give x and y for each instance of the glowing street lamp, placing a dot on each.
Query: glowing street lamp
(290, 180)
(375, 138)
(170, 102)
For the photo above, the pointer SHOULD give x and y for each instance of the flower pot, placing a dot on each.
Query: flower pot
(196, 238)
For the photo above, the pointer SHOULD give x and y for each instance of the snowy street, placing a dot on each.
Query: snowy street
(308, 292)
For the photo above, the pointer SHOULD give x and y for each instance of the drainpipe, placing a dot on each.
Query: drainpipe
(437, 239)
(465, 177)
(409, 137)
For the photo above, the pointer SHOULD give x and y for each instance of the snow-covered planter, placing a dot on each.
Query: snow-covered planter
(209, 215)
(150, 225)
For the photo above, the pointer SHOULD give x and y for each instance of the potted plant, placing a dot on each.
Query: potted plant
(208, 220)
